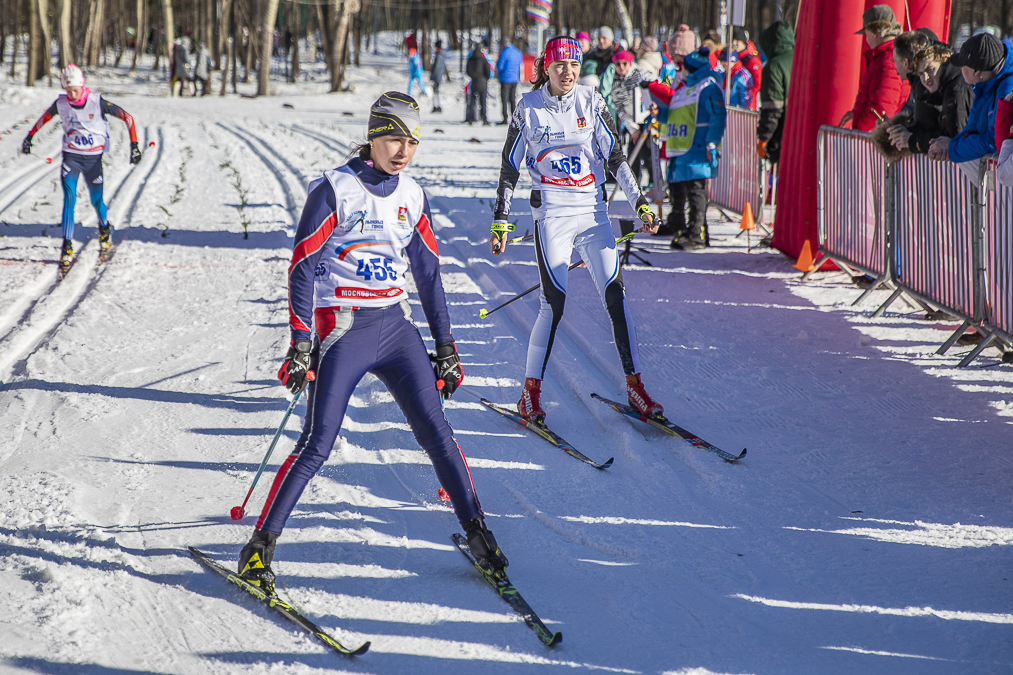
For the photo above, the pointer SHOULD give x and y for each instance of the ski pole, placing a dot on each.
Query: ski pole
(238, 512)
(482, 313)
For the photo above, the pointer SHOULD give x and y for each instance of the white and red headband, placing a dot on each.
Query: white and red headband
(562, 48)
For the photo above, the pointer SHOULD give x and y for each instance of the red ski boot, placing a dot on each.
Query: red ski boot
(529, 407)
(639, 399)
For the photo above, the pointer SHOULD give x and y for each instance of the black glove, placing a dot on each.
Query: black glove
(26, 145)
(644, 84)
(296, 370)
(135, 153)
(448, 368)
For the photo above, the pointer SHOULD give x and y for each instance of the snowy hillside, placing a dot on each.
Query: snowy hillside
(868, 530)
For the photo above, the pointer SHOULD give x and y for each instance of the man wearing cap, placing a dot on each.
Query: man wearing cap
(881, 92)
(986, 66)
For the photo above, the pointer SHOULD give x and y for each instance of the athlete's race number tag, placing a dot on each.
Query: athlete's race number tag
(567, 165)
(378, 268)
(82, 140)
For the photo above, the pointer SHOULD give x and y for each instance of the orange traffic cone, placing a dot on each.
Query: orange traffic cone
(805, 260)
(747, 218)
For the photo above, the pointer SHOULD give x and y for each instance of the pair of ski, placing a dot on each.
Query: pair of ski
(658, 422)
(498, 580)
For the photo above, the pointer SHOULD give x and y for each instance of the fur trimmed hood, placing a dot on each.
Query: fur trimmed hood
(881, 138)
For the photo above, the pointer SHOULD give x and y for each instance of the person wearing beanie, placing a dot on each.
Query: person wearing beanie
(681, 43)
(695, 125)
(565, 138)
(881, 91)
(83, 116)
(624, 85)
(584, 40)
(649, 61)
(362, 226)
(602, 55)
(987, 67)
(749, 58)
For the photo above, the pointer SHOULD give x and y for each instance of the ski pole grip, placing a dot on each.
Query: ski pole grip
(310, 375)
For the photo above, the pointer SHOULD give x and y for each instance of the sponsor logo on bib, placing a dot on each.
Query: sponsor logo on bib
(402, 214)
(581, 122)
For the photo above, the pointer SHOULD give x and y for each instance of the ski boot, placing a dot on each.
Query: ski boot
(105, 238)
(66, 256)
(639, 398)
(485, 549)
(255, 561)
(529, 406)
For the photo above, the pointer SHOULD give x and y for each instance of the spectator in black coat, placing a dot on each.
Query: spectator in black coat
(941, 105)
(479, 71)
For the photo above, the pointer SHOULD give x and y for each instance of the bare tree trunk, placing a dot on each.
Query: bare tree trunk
(224, 32)
(293, 27)
(33, 43)
(339, 47)
(424, 42)
(66, 56)
(170, 26)
(17, 32)
(95, 32)
(225, 68)
(140, 36)
(45, 59)
(266, 46)
(624, 19)
(3, 30)
(324, 24)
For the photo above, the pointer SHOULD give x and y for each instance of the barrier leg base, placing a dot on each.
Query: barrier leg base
(882, 308)
(953, 338)
(873, 286)
(819, 262)
(981, 346)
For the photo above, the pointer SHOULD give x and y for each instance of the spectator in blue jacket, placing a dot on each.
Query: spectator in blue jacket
(695, 125)
(987, 66)
(415, 71)
(508, 72)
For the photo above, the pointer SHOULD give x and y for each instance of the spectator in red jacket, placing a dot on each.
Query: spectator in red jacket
(881, 91)
(749, 57)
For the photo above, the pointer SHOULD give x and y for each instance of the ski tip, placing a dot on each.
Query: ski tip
(607, 463)
(737, 458)
(557, 637)
(361, 650)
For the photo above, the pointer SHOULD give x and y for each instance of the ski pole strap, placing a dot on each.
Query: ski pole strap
(643, 210)
(499, 226)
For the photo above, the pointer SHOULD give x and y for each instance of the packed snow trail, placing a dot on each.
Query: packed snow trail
(867, 530)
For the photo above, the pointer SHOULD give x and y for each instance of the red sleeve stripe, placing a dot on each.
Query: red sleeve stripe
(129, 119)
(294, 321)
(46, 116)
(426, 230)
(314, 242)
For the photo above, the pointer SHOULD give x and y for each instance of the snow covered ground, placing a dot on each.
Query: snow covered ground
(869, 529)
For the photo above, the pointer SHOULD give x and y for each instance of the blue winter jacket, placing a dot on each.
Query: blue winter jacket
(710, 128)
(508, 65)
(415, 66)
(978, 137)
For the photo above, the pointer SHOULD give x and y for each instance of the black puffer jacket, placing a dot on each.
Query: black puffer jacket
(942, 112)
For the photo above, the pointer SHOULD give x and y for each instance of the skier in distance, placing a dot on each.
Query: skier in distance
(85, 138)
(563, 133)
(363, 223)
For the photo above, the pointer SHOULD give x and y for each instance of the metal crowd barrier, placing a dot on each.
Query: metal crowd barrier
(853, 202)
(941, 238)
(739, 176)
(997, 248)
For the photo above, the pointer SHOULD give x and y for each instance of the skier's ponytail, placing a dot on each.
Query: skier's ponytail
(541, 77)
(361, 151)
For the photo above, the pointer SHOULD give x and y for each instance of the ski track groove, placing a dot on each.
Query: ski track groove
(28, 338)
(290, 200)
